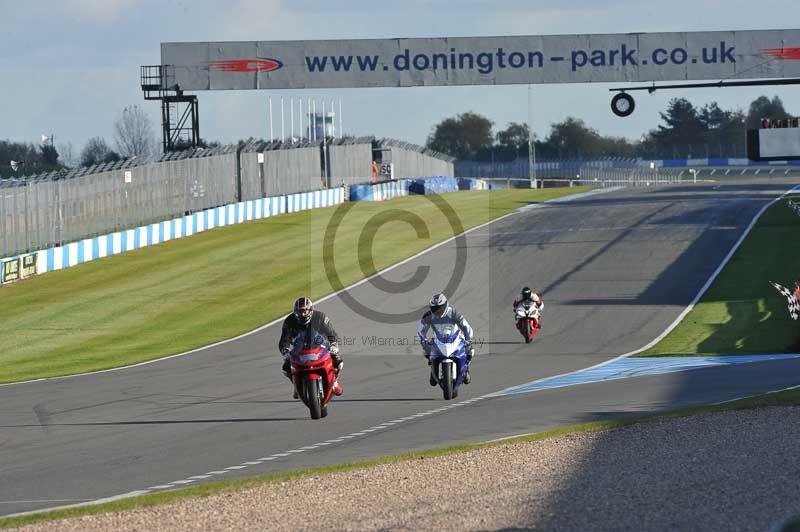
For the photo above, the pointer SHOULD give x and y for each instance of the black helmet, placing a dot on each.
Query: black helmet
(438, 305)
(526, 293)
(303, 309)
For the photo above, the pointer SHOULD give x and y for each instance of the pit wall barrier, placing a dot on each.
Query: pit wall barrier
(405, 187)
(74, 253)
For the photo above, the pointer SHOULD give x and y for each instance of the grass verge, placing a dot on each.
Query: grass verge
(170, 298)
(783, 398)
(741, 313)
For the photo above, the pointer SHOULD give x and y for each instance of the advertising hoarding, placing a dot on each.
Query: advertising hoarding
(400, 62)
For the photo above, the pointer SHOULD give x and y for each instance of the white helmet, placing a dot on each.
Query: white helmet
(438, 305)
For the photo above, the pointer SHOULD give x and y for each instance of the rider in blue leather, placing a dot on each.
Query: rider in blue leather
(442, 313)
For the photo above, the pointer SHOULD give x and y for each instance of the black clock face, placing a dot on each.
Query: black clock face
(622, 104)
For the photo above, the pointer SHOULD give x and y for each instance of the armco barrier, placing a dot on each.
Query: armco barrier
(688, 163)
(75, 253)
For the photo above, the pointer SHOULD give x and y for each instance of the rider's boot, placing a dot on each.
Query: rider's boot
(287, 372)
(432, 379)
(338, 364)
(467, 377)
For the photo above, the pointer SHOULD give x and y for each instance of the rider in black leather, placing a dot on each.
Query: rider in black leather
(305, 319)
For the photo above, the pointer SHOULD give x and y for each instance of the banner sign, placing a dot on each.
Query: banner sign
(10, 271)
(386, 171)
(28, 266)
(625, 57)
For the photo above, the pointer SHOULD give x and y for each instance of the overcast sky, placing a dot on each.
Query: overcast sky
(70, 66)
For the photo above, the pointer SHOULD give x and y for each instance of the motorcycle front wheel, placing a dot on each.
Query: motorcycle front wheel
(312, 393)
(447, 381)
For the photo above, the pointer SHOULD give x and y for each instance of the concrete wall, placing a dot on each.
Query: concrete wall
(283, 171)
(350, 163)
(410, 164)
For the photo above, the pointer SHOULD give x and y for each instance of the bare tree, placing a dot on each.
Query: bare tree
(66, 152)
(133, 133)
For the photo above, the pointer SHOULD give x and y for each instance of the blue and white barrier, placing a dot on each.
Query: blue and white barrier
(440, 185)
(404, 187)
(89, 249)
(379, 191)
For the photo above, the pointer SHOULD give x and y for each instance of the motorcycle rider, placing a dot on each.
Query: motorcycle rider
(302, 320)
(442, 313)
(529, 297)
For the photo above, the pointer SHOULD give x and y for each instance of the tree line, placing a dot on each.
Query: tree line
(134, 136)
(685, 131)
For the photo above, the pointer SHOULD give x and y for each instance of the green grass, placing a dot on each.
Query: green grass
(742, 313)
(170, 298)
(785, 398)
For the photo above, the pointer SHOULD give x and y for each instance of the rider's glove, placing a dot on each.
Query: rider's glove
(334, 349)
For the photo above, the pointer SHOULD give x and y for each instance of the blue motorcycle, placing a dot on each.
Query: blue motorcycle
(448, 359)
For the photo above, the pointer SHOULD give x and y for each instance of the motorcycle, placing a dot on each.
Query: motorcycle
(449, 359)
(527, 318)
(313, 374)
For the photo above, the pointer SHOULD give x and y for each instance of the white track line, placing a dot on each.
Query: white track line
(703, 289)
(393, 423)
(472, 400)
(685, 311)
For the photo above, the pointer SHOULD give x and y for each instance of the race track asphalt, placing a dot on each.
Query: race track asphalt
(615, 270)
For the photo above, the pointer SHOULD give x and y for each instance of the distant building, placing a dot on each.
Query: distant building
(322, 123)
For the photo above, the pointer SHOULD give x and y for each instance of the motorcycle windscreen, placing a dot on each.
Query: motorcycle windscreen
(309, 340)
(448, 339)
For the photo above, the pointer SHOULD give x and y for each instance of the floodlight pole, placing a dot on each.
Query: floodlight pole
(531, 143)
(271, 134)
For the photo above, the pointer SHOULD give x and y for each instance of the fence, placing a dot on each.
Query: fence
(281, 171)
(410, 160)
(79, 252)
(57, 208)
(46, 212)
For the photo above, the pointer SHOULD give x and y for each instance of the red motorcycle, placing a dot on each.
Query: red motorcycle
(313, 375)
(527, 316)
